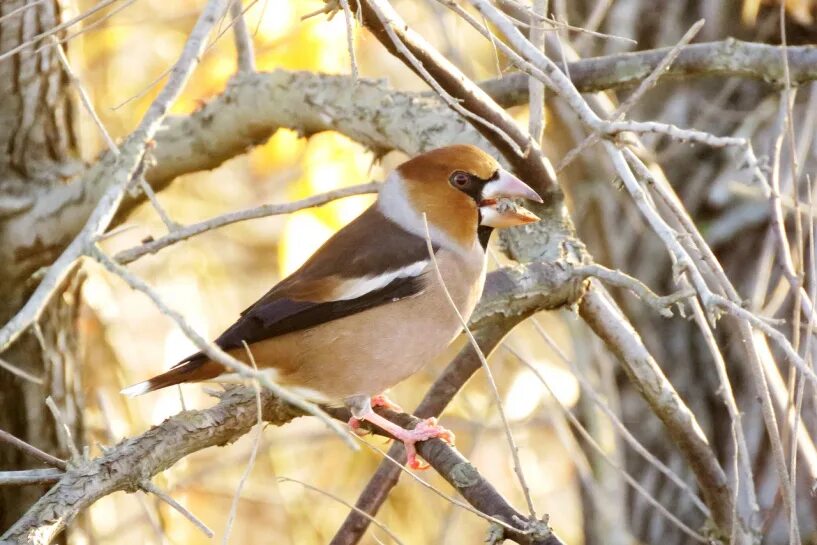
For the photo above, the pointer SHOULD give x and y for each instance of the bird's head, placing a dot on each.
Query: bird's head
(459, 188)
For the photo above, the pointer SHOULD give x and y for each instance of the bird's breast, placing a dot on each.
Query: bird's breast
(373, 350)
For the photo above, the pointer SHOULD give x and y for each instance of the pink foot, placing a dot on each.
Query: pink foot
(424, 430)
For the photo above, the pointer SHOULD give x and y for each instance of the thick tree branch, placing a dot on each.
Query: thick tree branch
(607, 321)
(130, 463)
(255, 106)
(728, 58)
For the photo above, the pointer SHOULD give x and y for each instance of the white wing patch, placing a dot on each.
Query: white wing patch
(352, 288)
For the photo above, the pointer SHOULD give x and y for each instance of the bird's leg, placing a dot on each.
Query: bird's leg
(358, 405)
(361, 408)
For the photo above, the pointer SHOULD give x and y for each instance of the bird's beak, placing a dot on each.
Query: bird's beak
(497, 213)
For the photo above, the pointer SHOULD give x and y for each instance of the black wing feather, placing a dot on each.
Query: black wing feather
(285, 309)
(282, 316)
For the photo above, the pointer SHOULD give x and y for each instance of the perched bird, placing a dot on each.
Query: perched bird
(367, 310)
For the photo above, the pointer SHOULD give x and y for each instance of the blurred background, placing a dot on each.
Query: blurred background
(212, 277)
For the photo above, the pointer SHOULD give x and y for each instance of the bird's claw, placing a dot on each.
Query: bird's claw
(424, 430)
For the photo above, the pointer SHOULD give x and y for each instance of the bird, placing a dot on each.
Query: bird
(367, 309)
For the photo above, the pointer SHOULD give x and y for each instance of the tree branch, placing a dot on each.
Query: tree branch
(127, 466)
(728, 58)
(114, 175)
(490, 322)
(255, 106)
(607, 321)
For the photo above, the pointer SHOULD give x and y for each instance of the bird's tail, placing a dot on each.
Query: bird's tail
(193, 370)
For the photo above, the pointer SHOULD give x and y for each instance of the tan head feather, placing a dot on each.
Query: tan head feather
(429, 190)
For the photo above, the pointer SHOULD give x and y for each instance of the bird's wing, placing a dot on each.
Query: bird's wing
(370, 262)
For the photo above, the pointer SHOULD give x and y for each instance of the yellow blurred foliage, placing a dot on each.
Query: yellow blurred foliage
(800, 10)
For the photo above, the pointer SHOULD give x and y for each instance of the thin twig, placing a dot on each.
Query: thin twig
(151, 488)
(53, 30)
(620, 279)
(508, 434)
(346, 503)
(83, 95)
(243, 40)
(30, 476)
(127, 256)
(31, 450)
(21, 9)
(171, 225)
(536, 102)
(259, 434)
(25, 375)
(350, 37)
(62, 425)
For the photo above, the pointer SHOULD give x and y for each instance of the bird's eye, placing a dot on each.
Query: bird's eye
(460, 179)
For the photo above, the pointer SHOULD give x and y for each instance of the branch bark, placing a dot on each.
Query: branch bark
(123, 467)
(126, 466)
(254, 106)
(727, 58)
(608, 322)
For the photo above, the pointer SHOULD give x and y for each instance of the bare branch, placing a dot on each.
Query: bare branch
(188, 231)
(115, 175)
(347, 504)
(51, 31)
(619, 279)
(14, 370)
(171, 225)
(728, 58)
(243, 40)
(350, 37)
(83, 95)
(126, 466)
(30, 476)
(65, 430)
(603, 316)
(31, 450)
(259, 434)
(151, 488)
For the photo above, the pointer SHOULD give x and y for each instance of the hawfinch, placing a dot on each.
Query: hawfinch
(367, 309)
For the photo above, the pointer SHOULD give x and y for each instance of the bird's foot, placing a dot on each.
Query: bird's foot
(424, 430)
